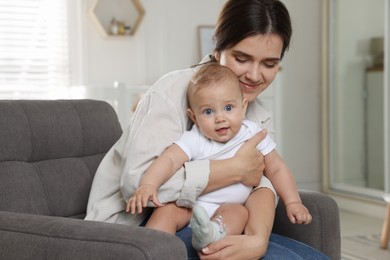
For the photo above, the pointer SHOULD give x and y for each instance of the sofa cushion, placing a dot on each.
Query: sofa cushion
(50, 151)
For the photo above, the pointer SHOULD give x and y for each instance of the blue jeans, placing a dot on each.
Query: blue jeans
(279, 248)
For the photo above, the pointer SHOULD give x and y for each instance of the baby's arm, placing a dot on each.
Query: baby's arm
(163, 168)
(282, 179)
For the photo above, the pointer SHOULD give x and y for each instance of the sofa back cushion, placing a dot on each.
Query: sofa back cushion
(49, 153)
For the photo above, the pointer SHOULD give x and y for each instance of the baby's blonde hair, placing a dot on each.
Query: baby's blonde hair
(208, 74)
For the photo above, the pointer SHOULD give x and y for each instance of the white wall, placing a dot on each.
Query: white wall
(301, 94)
(167, 40)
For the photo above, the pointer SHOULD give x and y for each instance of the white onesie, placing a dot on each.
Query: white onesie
(198, 147)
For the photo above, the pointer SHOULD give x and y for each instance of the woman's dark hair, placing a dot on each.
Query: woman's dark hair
(242, 18)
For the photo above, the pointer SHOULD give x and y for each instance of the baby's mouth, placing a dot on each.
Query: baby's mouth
(222, 130)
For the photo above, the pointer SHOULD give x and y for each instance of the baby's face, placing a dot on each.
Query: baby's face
(218, 110)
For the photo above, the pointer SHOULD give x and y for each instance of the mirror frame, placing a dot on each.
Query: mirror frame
(325, 106)
(135, 4)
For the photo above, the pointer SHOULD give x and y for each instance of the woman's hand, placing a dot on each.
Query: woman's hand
(250, 160)
(245, 167)
(235, 247)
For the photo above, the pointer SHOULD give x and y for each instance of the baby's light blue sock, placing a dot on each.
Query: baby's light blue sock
(204, 230)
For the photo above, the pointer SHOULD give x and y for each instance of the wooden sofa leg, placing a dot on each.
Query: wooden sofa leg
(386, 228)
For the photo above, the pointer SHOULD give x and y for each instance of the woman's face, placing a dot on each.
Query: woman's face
(255, 60)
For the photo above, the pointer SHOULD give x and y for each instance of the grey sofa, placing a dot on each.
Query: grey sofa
(49, 152)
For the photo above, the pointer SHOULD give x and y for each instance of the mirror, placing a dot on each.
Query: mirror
(355, 106)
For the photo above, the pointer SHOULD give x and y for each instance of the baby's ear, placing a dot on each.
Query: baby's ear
(191, 115)
(244, 106)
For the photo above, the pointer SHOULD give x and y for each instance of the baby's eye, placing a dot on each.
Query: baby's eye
(208, 111)
(228, 108)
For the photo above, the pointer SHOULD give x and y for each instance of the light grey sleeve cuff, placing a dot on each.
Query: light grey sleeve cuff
(196, 180)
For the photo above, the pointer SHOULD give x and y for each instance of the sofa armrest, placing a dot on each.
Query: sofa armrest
(324, 231)
(24, 236)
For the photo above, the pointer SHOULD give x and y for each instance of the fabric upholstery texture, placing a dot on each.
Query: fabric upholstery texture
(52, 148)
(49, 153)
(324, 231)
(65, 238)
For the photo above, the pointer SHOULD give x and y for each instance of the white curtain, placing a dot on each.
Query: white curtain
(34, 48)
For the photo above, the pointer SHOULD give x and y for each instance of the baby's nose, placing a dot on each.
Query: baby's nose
(219, 118)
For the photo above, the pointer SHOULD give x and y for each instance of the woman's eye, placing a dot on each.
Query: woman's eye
(270, 65)
(228, 108)
(240, 60)
(208, 111)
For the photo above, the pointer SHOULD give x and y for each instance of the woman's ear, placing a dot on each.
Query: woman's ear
(217, 55)
(191, 115)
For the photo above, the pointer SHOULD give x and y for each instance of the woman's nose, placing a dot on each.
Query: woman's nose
(254, 73)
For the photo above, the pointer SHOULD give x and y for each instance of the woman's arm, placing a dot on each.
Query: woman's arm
(159, 120)
(246, 166)
(202, 177)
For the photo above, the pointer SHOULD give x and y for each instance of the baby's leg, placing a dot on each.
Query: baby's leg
(229, 219)
(235, 217)
(169, 218)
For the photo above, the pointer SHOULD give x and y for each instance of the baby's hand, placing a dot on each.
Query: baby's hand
(140, 198)
(298, 213)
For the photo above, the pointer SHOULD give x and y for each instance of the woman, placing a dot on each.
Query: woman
(251, 38)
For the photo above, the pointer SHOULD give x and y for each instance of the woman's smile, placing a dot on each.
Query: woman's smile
(249, 86)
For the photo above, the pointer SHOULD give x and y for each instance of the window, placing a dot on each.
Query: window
(34, 48)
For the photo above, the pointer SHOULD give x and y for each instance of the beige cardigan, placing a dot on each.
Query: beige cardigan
(159, 120)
